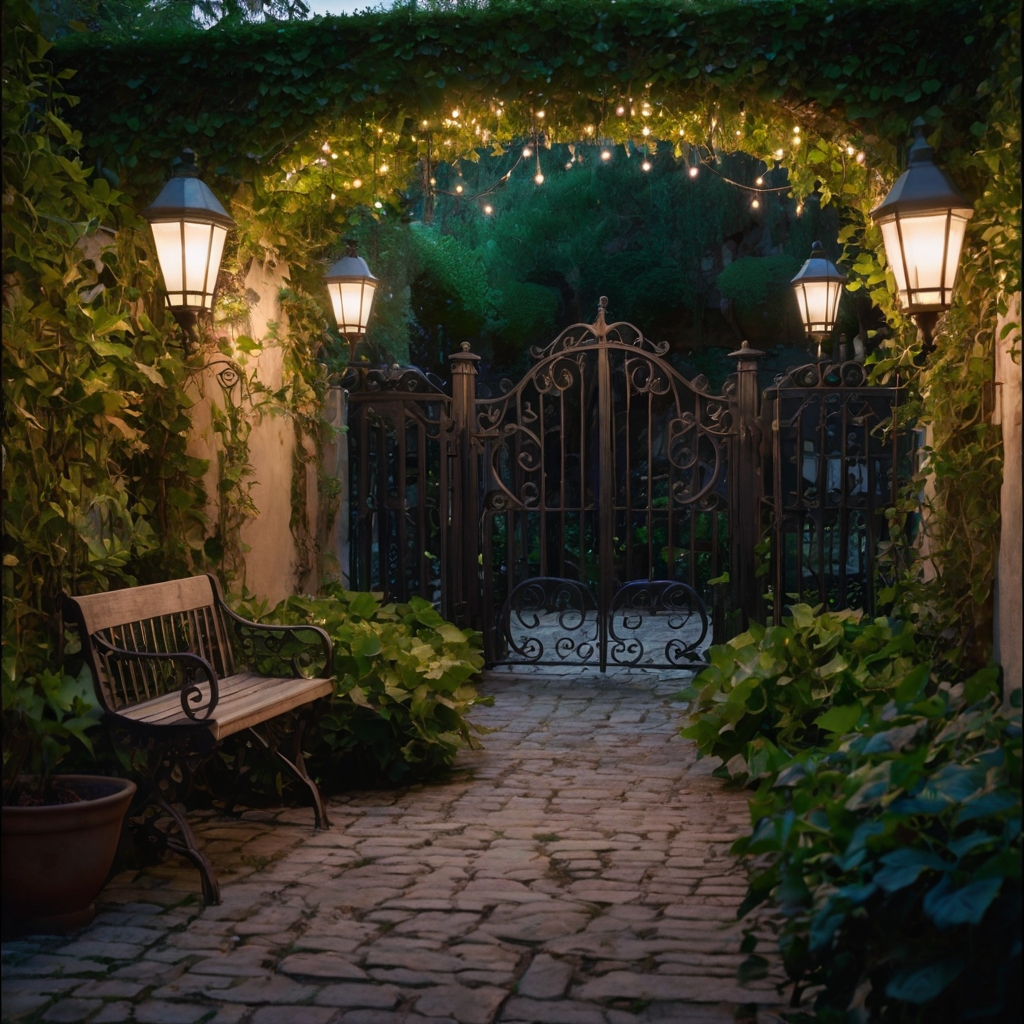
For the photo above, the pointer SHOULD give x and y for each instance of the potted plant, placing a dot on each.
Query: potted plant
(60, 832)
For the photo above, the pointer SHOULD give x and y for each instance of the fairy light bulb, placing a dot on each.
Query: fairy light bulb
(539, 178)
(799, 209)
(326, 147)
(645, 166)
(759, 181)
(755, 204)
(378, 205)
(568, 166)
(455, 114)
(334, 156)
(860, 158)
(424, 124)
(540, 114)
(620, 110)
(606, 154)
(796, 130)
(527, 151)
(357, 182)
(850, 150)
(646, 131)
(333, 196)
(488, 209)
(778, 154)
(458, 189)
(383, 169)
(693, 172)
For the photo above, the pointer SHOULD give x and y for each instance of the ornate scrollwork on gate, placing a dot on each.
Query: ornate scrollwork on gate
(548, 619)
(665, 617)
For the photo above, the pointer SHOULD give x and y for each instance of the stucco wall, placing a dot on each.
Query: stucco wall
(274, 568)
(1008, 579)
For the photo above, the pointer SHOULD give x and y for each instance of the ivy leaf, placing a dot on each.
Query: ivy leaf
(948, 906)
(922, 984)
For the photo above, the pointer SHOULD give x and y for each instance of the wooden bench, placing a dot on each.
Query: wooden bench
(163, 659)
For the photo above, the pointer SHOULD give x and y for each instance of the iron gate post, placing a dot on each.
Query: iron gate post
(462, 602)
(606, 482)
(745, 486)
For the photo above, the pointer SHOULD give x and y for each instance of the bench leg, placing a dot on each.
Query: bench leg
(187, 847)
(297, 765)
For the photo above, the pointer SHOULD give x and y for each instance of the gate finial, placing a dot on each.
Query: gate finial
(602, 305)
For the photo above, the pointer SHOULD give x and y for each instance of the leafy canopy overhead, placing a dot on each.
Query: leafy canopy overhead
(731, 74)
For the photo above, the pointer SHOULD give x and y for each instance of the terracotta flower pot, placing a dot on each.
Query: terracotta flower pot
(57, 857)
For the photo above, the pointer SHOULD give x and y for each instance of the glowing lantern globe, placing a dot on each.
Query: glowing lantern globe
(189, 227)
(923, 221)
(351, 287)
(819, 286)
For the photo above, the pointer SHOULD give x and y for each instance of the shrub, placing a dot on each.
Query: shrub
(775, 690)
(403, 681)
(895, 863)
(886, 823)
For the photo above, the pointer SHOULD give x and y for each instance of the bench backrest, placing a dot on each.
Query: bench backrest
(173, 617)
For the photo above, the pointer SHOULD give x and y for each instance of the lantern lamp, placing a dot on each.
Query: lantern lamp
(351, 287)
(819, 286)
(923, 221)
(189, 228)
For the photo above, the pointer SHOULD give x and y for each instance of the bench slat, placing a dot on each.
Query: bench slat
(118, 607)
(245, 700)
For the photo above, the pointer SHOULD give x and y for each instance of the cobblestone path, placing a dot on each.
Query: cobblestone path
(575, 871)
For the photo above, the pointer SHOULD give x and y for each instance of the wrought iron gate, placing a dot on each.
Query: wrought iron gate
(584, 514)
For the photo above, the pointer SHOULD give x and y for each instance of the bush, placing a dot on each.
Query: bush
(895, 863)
(886, 823)
(775, 690)
(403, 682)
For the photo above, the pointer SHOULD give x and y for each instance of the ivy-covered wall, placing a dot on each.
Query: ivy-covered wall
(307, 128)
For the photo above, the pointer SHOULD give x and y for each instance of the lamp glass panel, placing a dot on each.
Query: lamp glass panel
(352, 301)
(819, 303)
(213, 268)
(926, 268)
(167, 236)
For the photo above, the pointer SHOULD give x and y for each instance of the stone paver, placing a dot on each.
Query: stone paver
(575, 870)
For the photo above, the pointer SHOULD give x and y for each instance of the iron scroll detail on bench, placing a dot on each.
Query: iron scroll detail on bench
(163, 659)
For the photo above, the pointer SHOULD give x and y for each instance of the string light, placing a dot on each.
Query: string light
(778, 154)
(455, 114)
(568, 166)
(693, 172)
(383, 169)
(796, 130)
(860, 158)
(646, 131)
(755, 204)
(759, 181)
(458, 189)
(333, 196)
(527, 151)
(539, 178)
(334, 156)
(357, 182)
(849, 151)
(488, 209)
(620, 110)
(378, 205)
(606, 154)
(540, 114)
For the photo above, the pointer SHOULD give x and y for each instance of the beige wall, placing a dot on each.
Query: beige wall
(1008, 572)
(274, 568)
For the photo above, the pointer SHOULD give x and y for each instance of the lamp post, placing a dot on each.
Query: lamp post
(189, 228)
(351, 287)
(923, 221)
(819, 286)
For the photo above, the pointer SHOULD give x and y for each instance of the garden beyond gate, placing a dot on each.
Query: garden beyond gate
(606, 510)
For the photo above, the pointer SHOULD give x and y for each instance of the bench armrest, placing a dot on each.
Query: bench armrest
(186, 665)
(259, 639)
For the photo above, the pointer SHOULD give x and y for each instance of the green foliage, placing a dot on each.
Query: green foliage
(44, 716)
(886, 821)
(894, 862)
(99, 488)
(403, 681)
(771, 692)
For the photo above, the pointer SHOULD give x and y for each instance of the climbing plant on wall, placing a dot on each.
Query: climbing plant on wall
(307, 124)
